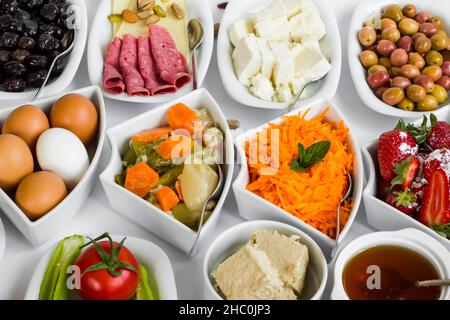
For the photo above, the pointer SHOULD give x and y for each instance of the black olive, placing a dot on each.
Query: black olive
(47, 42)
(4, 56)
(14, 68)
(36, 78)
(58, 67)
(14, 25)
(14, 84)
(19, 55)
(21, 15)
(36, 61)
(66, 20)
(10, 6)
(4, 20)
(8, 40)
(49, 12)
(26, 43)
(30, 28)
(52, 30)
(31, 5)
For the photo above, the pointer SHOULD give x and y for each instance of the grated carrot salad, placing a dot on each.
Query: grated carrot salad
(312, 196)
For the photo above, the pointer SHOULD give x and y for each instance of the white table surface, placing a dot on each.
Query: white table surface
(97, 216)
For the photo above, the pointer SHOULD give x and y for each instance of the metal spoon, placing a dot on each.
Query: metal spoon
(294, 102)
(217, 192)
(433, 283)
(338, 216)
(68, 42)
(195, 37)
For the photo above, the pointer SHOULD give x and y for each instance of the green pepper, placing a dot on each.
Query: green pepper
(189, 217)
(119, 179)
(129, 158)
(158, 163)
(54, 283)
(144, 292)
(170, 177)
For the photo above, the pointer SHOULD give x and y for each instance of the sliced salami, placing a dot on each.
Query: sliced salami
(129, 66)
(170, 63)
(112, 79)
(152, 80)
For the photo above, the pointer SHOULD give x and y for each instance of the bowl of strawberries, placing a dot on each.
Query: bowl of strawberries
(409, 177)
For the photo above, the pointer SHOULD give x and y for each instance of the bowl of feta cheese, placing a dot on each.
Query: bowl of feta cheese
(268, 50)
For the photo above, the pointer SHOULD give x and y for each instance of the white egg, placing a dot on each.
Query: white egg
(62, 152)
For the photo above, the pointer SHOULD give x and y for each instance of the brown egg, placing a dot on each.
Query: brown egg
(16, 161)
(75, 113)
(39, 193)
(26, 122)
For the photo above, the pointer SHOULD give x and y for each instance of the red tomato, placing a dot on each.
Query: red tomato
(101, 284)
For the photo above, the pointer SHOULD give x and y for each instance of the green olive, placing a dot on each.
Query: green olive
(434, 72)
(367, 36)
(368, 58)
(422, 45)
(409, 11)
(415, 93)
(391, 34)
(439, 42)
(429, 103)
(387, 23)
(406, 104)
(385, 62)
(409, 71)
(416, 59)
(395, 72)
(375, 68)
(438, 22)
(408, 26)
(393, 96)
(439, 93)
(393, 12)
(434, 58)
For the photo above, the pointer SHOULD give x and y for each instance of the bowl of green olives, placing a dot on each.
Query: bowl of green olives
(399, 56)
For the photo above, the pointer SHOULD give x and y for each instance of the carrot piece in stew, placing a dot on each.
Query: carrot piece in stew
(151, 135)
(177, 146)
(167, 198)
(141, 179)
(181, 116)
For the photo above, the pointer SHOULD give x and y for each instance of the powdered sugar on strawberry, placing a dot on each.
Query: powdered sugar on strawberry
(438, 159)
(407, 149)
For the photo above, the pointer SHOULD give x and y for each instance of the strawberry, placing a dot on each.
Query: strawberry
(394, 146)
(403, 200)
(406, 172)
(383, 188)
(437, 160)
(418, 188)
(439, 137)
(435, 204)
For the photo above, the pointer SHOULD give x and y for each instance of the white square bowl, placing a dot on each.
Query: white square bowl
(369, 9)
(73, 60)
(143, 212)
(253, 207)
(330, 45)
(99, 39)
(54, 222)
(147, 253)
(381, 215)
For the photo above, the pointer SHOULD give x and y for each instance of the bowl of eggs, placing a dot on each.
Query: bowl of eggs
(49, 154)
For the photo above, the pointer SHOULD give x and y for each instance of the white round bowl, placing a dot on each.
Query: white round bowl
(2, 240)
(409, 238)
(369, 9)
(330, 46)
(147, 253)
(73, 60)
(99, 39)
(237, 236)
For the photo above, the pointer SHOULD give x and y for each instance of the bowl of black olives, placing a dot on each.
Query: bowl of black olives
(31, 36)
(399, 56)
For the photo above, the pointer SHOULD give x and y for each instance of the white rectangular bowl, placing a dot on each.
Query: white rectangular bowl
(330, 45)
(54, 222)
(141, 211)
(253, 207)
(381, 215)
(369, 9)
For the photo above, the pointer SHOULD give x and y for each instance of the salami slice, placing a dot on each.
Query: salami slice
(170, 63)
(152, 81)
(112, 79)
(129, 66)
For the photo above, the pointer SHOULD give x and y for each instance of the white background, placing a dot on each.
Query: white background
(97, 216)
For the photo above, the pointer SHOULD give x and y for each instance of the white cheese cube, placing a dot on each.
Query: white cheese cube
(262, 87)
(275, 10)
(268, 59)
(309, 61)
(307, 26)
(278, 29)
(308, 7)
(247, 59)
(238, 30)
(293, 7)
(284, 93)
(283, 71)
